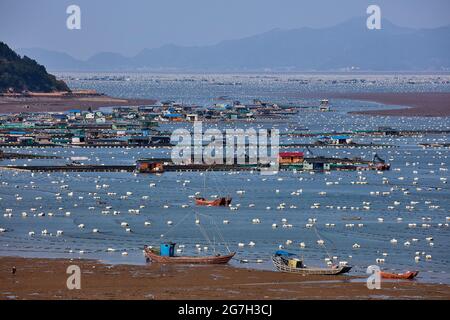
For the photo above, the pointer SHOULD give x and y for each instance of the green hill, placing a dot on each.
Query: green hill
(23, 73)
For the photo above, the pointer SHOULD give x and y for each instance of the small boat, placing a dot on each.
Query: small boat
(219, 202)
(288, 262)
(166, 255)
(408, 275)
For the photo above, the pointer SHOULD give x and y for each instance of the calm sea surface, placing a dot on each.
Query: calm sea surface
(417, 189)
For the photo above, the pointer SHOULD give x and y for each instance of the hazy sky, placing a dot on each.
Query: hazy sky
(129, 26)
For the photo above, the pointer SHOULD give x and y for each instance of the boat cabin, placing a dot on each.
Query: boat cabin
(167, 249)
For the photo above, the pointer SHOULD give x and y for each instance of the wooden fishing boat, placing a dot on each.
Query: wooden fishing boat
(287, 263)
(408, 275)
(219, 202)
(154, 256)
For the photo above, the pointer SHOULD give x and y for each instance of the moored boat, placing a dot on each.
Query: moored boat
(408, 275)
(164, 256)
(219, 202)
(288, 262)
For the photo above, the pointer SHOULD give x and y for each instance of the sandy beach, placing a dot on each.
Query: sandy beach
(46, 279)
(424, 104)
(53, 104)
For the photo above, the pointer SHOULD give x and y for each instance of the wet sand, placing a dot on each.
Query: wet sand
(53, 104)
(46, 279)
(424, 104)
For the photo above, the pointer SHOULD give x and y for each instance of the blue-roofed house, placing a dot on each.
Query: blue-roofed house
(174, 116)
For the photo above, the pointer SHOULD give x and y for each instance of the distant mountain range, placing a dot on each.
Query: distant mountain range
(347, 46)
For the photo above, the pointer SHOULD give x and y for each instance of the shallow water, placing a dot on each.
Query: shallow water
(421, 172)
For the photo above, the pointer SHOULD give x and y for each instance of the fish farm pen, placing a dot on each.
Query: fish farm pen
(313, 164)
(169, 145)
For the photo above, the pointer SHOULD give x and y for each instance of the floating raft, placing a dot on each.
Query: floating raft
(126, 168)
(169, 145)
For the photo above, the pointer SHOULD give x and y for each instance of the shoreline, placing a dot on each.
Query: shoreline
(12, 104)
(39, 278)
(416, 104)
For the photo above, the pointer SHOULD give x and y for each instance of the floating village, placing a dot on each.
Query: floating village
(121, 131)
(139, 127)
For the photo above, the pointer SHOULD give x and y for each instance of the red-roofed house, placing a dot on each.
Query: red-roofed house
(290, 157)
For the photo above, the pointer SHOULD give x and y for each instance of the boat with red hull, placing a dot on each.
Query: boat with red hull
(218, 259)
(408, 275)
(219, 202)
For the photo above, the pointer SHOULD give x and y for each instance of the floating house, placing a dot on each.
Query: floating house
(336, 140)
(340, 139)
(290, 157)
(192, 117)
(74, 114)
(324, 106)
(174, 116)
(43, 139)
(149, 166)
(316, 165)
